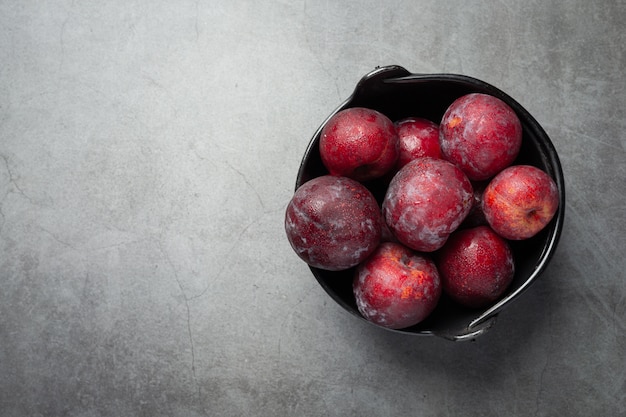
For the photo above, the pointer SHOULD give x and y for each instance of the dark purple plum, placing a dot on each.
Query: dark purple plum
(333, 223)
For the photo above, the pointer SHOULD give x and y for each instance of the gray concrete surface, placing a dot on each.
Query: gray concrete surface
(148, 150)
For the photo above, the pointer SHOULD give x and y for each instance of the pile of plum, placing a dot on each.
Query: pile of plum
(453, 201)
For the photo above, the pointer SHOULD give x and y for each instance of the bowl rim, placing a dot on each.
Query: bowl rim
(395, 74)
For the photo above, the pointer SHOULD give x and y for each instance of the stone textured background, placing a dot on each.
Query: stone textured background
(148, 150)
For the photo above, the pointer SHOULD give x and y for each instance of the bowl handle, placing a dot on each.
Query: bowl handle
(471, 332)
(374, 81)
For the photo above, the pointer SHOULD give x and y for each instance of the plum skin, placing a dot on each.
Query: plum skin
(476, 266)
(333, 223)
(418, 137)
(520, 201)
(481, 134)
(426, 201)
(396, 287)
(359, 143)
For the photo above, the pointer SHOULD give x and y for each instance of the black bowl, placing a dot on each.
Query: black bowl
(397, 93)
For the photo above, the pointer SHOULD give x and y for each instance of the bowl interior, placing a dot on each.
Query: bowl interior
(397, 93)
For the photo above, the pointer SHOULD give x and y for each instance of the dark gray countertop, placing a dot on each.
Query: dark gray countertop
(148, 151)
